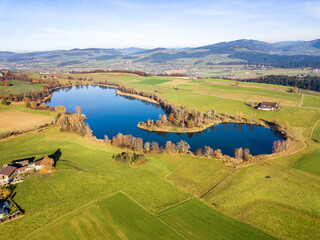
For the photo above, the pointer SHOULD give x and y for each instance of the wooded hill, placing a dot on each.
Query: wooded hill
(294, 54)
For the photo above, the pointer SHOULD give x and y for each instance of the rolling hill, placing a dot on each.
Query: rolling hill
(292, 54)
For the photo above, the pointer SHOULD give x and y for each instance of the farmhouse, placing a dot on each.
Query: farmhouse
(268, 106)
(6, 173)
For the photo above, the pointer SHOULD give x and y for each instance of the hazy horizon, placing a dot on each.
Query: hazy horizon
(34, 25)
(44, 50)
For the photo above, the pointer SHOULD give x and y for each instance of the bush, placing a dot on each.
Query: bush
(4, 101)
(130, 158)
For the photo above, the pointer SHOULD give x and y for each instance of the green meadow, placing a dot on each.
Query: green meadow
(196, 220)
(18, 87)
(316, 132)
(113, 217)
(309, 163)
(171, 196)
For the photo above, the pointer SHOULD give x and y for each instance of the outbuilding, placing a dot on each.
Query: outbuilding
(268, 106)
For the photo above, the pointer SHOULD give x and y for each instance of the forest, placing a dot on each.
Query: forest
(306, 82)
(280, 61)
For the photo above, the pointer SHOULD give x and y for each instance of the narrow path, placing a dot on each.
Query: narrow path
(301, 100)
(314, 126)
(52, 189)
(215, 186)
(154, 213)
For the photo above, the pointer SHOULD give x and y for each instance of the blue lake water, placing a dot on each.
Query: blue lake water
(108, 113)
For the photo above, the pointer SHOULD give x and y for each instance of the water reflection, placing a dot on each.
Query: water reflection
(108, 113)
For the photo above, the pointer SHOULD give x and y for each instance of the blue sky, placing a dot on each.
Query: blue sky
(36, 25)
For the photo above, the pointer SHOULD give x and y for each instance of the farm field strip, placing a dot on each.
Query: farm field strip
(11, 121)
(115, 216)
(196, 220)
(18, 87)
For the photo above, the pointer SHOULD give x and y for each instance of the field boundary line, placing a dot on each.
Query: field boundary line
(26, 133)
(179, 167)
(220, 182)
(301, 103)
(314, 126)
(52, 189)
(187, 199)
(144, 208)
(12, 220)
(74, 210)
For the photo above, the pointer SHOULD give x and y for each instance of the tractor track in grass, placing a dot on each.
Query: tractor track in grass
(218, 184)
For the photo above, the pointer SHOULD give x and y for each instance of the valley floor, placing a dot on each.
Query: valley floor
(184, 197)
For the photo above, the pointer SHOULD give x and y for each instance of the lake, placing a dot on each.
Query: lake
(108, 113)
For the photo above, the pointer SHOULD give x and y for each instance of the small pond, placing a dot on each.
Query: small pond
(108, 113)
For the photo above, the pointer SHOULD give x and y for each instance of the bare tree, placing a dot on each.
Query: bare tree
(183, 146)
(147, 147)
(208, 151)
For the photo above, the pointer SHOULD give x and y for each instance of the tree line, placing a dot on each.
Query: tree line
(72, 122)
(281, 61)
(307, 82)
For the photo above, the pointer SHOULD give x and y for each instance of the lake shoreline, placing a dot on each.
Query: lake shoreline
(173, 129)
(118, 92)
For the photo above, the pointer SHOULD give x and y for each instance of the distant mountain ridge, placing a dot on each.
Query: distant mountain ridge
(280, 54)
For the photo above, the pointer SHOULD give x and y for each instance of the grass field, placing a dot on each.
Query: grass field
(309, 163)
(78, 198)
(196, 220)
(84, 173)
(311, 101)
(270, 203)
(198, 175)
(316, 132)
(18, 87)
(114, 217)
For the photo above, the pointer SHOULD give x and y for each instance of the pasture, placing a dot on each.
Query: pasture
(18, 87)
(199, 175)
(90, 194)
(311, 101)
(316, 132)
(196, 220)
(114, 217)
(309, 163)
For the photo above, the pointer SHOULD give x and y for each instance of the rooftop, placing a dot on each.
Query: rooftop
(268, 104)
(8, 170)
